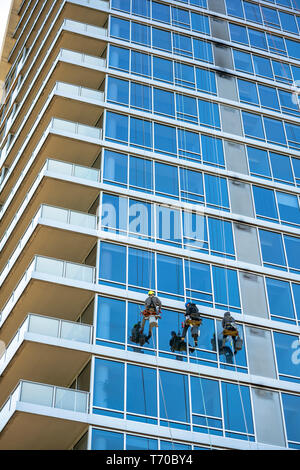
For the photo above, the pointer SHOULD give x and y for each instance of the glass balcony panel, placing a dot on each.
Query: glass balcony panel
(70, 55)
(55, 213)
(67, 88)
(66, 126)
(89, 131)
(49, 266)
(59, 167)
(86, 173)
(75, 332)
(43, 325)
(38, 394)
(83, 220)
(79, 272)
(71, 400)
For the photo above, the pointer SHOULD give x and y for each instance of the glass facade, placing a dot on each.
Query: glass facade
(187, 156)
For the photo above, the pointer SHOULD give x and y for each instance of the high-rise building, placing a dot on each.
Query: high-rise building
(149, 145)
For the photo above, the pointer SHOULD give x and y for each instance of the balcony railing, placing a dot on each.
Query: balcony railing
(50, 267)
(75, 128)
(82, 59)
(48, 326)
(79, 91)
(45, 395)
(84, 28)
(57, 214)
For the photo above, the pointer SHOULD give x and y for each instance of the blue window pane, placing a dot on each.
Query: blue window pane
(120, 28)
(195, 231)
(112, 262)
(140, 133)
(265, 204)
(280, 298)
(118, 58)
(189, 145)
(209, 114)
(140, 173)
(206, 81)
(242, 61)
(182, 45)
(115, 167)
(287, 355)
(272, 248)
(165, 139)
(216, 191)
(141, 96)
(107, 440)
(186, 108)
(184, 75)
(293, 135)
(288, 103)
(292, 246)
(205, 397)
(268, 97)
(118, 91)
(116, 127)
(257, 39)
(226, 287)
(221, 238)
(252, 12)
(111, 319)
(202, 50)
(200, 23)
(288, 206)
(274, 131)
(281, 167)
(140, 443)
(169, 275)
(141, 7)
(163, 102)
(191, 183)
(296, 168)
(270, 17)
(234, 8)
(144, 380)
(253, 125)
(168, 445)
(161, 39)
(291, 407)
(141, 64)
(198, 3)
(140, 219)
(248, 91)
(174, 406)
(237, 417)
(293, 48)
(140, 34)
(162, 69)
(180, 18)
(262, 66)
(114, 213)
(212, 150)
(160, 12)
(238, 33)
(168, 225)
(166, 179)
(282, 72)
(296, 72)
(258, 162)
(141, 269)
(123, 5)
(276, 44)
(109, 384)
(296, 293)
(198, 281)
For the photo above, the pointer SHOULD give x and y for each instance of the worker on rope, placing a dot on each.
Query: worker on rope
(152, 313)
(193, 319)
(230, 329)
(178, 344)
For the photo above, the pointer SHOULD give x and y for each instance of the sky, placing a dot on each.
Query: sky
(4, 10)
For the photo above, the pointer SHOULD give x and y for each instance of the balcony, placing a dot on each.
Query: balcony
(53, 232)
(38, 346)
(40, 417)
(66, 102)
(73, 141)
(48, 286)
